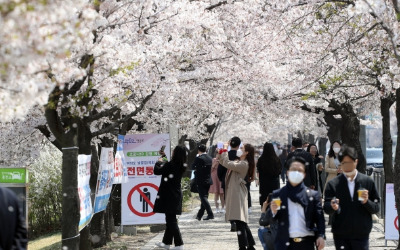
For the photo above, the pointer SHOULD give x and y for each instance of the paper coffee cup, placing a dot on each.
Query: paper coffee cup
(278, 202)
(360, 192)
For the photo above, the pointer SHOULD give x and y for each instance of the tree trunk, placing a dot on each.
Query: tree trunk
(351, 134)
(96, 226)
(386, 103)
(396, 171)
(86, 149)
(70, 202)
(349, 127)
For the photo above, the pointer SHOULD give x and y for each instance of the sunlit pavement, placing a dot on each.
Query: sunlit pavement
(215, 234)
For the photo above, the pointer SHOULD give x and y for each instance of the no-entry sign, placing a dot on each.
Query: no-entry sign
(145, 198)
(138, 195)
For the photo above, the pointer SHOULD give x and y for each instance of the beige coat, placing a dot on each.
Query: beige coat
(235, 189)
(330, 168)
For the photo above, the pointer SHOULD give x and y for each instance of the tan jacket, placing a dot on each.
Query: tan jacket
(330, 168)
(235, 189)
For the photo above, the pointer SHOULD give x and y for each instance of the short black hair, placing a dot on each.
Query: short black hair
(297, 142)
(296, 159)
(347, 151)
(202, 148)
(235, 142)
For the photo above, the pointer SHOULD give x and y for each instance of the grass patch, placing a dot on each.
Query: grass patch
(52, 241)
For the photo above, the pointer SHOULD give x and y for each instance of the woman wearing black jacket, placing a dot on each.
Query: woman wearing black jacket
(268, 168)
(169, 196)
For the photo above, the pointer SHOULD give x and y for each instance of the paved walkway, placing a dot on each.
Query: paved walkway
(215, 234)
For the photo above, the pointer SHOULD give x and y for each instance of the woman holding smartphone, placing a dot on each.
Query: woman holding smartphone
(169, 196)
(236, 196)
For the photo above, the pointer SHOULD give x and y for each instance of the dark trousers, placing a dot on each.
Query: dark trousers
(245, 238)
(306, 244)
(205, 205)
(355, 244)
(248, 194)
(172, 231)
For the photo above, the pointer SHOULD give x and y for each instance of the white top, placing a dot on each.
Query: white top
(351, 185)
(297, 221)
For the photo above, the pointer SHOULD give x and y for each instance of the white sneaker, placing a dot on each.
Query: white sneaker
(223, 210)
(250, 210)
(162, 245)
(218, 211)
(177, 247)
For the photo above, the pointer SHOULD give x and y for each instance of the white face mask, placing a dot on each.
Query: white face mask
(336, 150)
(351, 173)
(295, 177)
(239, 153)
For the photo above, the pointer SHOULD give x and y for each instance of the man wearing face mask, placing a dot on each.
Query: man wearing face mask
(298, 211)
(351, 198)
(311, 173)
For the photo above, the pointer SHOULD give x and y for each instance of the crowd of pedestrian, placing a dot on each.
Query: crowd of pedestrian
(292, 216)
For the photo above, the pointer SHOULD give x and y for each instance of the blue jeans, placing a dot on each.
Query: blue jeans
(261, 230)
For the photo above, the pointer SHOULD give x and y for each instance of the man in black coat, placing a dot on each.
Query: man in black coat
(300, 219)
(202, 175)
(351, 198)
(13, 234)
(311, 173)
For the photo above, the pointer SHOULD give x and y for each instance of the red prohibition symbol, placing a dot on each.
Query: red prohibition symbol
(396, 222)
(137, 188)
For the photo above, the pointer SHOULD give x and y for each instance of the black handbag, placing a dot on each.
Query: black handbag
(270, 235)
(193, 186)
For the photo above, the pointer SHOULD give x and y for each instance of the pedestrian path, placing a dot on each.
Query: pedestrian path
(215, 234)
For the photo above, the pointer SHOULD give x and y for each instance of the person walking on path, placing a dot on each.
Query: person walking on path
(301, 223)
(351, 198)
(221, 171)
(283, 156)
(332, 164)
(13, 233)
(269, 168)
(202, 175)
(236, 193)
(216, 188)
(169, 196)
(310, 179)
(317, 163)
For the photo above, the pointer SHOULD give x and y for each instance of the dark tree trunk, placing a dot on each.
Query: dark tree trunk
(116, 203)
(96, 226)
(70, 202)
(334, 127)
(396, 171)
(386, 103)
(349, 127)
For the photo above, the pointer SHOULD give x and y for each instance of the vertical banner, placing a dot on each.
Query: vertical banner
(84, 190)
(139, 193)
(104, 179)
(391, 219)
(120, 168)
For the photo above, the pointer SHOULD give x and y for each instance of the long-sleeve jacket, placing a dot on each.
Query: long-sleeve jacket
(13, 233)
(169, 196)
(313, 213)
(235, 189)
(354, 219)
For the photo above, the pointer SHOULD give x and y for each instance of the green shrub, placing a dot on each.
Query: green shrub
(185, 184)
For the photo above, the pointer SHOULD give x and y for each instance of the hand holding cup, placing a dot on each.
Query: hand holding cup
(362, 195)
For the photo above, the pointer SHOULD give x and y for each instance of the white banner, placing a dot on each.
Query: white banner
(391, 219)
(120, 170)
(84, 190)
(104, 179)
(139, 194)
